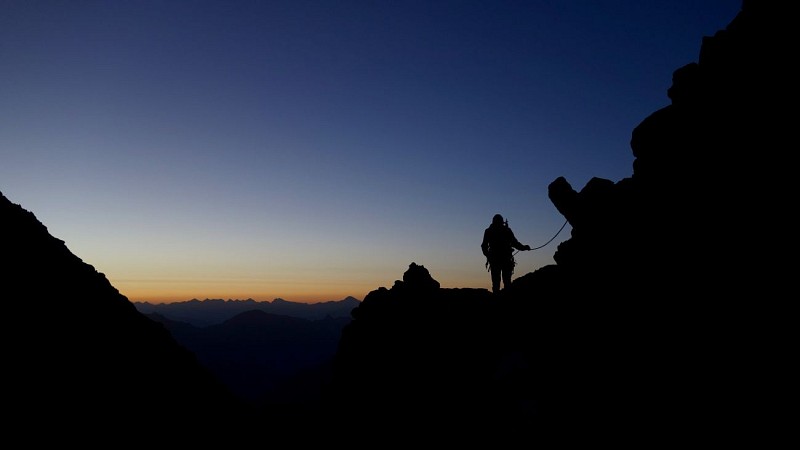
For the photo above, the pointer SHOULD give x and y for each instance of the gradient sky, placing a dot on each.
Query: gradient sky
(312, 150)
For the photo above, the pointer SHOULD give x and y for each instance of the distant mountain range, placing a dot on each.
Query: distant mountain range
(255, 353)
(215, 311)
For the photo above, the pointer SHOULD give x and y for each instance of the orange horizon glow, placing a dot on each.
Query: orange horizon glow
(181, 294)
(164, 291)
(174, 298)
(184, 288)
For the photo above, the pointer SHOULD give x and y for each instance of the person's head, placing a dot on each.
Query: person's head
(497, 219)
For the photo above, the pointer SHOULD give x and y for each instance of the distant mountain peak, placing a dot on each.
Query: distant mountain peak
(214, 311)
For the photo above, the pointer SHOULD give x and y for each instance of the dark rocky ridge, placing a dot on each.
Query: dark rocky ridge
(650, 327)
(80, 361)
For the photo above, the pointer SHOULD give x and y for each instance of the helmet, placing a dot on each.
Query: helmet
(497, 219)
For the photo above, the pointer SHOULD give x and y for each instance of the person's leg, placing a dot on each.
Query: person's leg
(508, 269)
(496, 271)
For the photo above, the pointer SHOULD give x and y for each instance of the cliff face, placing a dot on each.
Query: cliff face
(650, 323)
(681, 243)
(704, 183)
(78, 356)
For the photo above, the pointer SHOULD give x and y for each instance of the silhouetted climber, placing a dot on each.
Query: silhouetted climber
(498, 246)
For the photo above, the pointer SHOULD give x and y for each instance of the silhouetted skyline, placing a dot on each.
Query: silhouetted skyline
(286, 149)
(652, 323)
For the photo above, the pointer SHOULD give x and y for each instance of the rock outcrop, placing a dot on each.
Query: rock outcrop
(651, 325)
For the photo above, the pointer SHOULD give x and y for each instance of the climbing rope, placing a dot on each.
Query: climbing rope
(535, 248)
(551, 239)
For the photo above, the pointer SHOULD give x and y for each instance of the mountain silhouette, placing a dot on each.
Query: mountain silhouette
(214, 311)
(647, 327)
(256, 353)
(658, 323)
(80, 358)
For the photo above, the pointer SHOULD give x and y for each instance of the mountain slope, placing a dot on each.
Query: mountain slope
(79, 353)
(255, 353)
(651, 326)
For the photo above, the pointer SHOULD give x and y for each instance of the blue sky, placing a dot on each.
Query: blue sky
(312, 150)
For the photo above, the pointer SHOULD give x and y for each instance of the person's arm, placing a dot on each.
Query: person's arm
(485, 244)
(517, 244)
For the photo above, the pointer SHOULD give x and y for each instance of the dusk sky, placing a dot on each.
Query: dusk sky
(312, 150)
